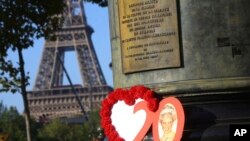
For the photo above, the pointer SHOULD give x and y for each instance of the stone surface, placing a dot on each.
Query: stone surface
(213, 79)
(214, 48)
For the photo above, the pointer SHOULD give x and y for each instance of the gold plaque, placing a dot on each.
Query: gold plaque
(149, 34)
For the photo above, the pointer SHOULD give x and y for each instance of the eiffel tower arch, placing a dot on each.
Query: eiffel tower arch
(49, 96)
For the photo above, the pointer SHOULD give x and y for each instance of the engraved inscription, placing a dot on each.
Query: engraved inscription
(149, 34)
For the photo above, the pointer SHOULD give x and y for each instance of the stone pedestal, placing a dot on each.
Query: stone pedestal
(196, 50)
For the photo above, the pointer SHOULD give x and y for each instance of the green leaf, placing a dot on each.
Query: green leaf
(13, 90)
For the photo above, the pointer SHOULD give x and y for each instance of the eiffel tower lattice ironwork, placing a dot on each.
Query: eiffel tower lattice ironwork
(49, 96)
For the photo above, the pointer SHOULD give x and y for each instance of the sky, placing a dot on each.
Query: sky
(97, 18)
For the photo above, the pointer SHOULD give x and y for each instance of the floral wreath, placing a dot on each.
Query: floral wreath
(129, 97)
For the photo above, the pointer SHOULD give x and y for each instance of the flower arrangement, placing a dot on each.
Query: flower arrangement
(129, 96)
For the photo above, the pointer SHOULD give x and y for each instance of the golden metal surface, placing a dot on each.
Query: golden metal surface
(149, 34)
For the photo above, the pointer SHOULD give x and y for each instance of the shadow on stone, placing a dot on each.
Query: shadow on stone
(197, 121)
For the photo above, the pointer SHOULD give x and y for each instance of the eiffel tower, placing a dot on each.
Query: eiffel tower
(49, 96)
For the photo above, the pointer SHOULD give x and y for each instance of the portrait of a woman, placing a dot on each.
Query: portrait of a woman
(168, 121)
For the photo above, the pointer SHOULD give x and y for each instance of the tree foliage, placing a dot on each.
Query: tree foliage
(12, 123)
(60, 131)
(22, 21)
(102, 3)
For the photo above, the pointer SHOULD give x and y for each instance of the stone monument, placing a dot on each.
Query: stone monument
(196, 50)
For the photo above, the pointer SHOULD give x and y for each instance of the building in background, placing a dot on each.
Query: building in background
(50, 98)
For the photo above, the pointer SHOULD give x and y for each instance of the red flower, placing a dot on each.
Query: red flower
(109, 129)
(105, 113)
(153, 104)
(120, 93)
(129, 97)
(106, 104)
(113, 136)
(111, 100)
(139, 95)
(106, 121)
(148, 95)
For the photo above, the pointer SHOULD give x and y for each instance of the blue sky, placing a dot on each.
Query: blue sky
(97, 18)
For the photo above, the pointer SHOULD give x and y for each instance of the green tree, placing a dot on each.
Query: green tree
(60, 131)
(102, 3)
(93, 124)
(12, 123)
(2, 108)
(22, 21)
(54, 131)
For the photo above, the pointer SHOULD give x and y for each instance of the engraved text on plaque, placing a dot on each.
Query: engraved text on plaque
(149, 34)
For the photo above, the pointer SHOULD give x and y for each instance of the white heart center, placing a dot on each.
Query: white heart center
(127, 123)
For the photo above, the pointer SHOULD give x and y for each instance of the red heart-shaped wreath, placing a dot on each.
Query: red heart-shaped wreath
(129, 97)
(167, 117)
